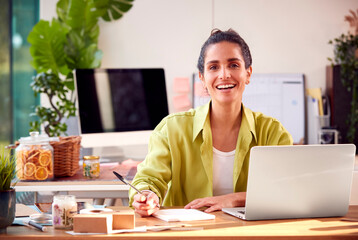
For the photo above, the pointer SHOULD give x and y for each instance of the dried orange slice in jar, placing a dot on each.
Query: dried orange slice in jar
(29, 169)
(33, 156)
(19, 173)
(41, 173)
(36, 154)
(45, 159)
(50, 170)
(20, 160)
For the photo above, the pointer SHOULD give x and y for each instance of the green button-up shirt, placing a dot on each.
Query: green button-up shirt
(179, 163)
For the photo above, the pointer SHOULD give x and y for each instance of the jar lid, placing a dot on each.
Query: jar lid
(91, 157)
(36, 138)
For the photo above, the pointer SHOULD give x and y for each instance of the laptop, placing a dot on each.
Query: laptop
(300, 181)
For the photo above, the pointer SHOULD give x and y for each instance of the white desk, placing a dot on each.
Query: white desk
(107, 186)
(110, 187)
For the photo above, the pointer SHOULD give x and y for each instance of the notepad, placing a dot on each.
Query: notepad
(178, 215)
(24, 210)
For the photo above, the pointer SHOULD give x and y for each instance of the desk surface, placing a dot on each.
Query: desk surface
(223, 227)
(106, 186)
(106, 182)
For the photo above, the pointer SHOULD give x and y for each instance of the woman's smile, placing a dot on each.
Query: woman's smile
(225, 86)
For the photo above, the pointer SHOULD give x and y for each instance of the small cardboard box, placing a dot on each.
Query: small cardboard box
(93, 223)
(123, 219)
(104, 222)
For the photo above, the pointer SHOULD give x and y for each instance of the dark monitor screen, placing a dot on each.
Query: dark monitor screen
(117, 100)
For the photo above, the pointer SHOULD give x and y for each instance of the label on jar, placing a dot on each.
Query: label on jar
(34, 163)
(63, 210)
(91, 168)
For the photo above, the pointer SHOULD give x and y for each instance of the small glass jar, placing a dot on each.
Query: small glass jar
(34, 158)
(64, 207)
(91, 166)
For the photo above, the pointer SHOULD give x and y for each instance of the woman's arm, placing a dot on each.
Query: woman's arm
(153, 173)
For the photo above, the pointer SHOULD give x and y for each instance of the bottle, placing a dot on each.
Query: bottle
(64, 207)
(91, 166)
(34, 158)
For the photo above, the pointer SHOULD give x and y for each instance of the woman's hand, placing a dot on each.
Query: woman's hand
(146, 204)
(218, 202)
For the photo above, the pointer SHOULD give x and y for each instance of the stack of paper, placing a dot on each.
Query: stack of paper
(177, 215)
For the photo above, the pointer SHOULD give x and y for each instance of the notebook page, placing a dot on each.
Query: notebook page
(178, 215)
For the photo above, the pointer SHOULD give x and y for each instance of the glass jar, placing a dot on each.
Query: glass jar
(34, 158)
(64, 207)
(91, 166)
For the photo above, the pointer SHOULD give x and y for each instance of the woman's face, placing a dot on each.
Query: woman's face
(224, 74)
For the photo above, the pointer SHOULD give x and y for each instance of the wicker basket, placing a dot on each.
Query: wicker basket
(66, 156)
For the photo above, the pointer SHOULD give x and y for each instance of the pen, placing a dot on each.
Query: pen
(38, 226)
(119, 176)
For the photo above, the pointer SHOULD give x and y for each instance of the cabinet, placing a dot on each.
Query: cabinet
(340, 100)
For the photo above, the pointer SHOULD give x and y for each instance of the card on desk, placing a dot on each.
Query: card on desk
(178, 215)
(24, 211)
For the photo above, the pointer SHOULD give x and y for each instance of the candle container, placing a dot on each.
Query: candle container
(91, 166)
(64, 207)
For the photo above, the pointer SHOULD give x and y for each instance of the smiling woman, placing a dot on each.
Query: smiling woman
(210, 144)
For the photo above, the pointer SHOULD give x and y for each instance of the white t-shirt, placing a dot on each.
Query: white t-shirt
(223, 170)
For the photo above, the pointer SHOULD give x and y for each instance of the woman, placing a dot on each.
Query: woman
(200, 158)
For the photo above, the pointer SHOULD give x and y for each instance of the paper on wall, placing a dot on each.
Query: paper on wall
(181, 85)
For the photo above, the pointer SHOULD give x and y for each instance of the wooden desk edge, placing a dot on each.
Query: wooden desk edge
(223, 227)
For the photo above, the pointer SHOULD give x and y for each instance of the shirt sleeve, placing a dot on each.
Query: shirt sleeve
(154, 173)
(272, 132)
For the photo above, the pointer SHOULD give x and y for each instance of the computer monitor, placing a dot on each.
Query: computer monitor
(119, 106)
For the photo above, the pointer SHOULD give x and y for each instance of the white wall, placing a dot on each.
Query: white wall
(285, 36)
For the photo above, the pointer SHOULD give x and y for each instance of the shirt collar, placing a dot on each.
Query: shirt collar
(248, 121)
(202, 114)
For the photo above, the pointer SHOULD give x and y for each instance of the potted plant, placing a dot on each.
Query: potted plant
(346, 56)
(68, 42)
(7, 192)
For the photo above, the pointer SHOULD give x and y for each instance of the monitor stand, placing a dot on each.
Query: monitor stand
(118, 153)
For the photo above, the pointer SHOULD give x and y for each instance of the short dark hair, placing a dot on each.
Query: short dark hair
(230, 35)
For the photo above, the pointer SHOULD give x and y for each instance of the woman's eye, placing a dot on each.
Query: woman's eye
(213, 67)
(234, 65)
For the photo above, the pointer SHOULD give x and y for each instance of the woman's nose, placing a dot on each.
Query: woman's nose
(224, 74)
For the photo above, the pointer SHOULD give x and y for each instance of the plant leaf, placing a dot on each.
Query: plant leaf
(79, 15)
(47, 43)
(113, 9)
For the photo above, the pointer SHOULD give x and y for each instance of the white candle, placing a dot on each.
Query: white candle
(63, 209)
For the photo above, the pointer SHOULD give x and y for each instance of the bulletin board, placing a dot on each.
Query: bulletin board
(277, 95)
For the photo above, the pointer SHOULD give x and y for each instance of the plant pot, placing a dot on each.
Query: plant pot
(7, 209)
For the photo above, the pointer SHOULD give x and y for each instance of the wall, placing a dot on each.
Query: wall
(284, 36)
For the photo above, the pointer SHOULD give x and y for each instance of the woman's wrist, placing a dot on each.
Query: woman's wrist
(240, 199)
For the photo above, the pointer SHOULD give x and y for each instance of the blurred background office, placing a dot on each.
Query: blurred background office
(284, 37)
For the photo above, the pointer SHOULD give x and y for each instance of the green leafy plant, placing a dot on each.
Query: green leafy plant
(68, 42)
(7, 168)
(346, 55)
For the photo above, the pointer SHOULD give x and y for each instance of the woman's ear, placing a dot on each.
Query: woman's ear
(201, 77)
(248, 76)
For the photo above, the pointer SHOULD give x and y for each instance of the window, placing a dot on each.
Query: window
(17, 17)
